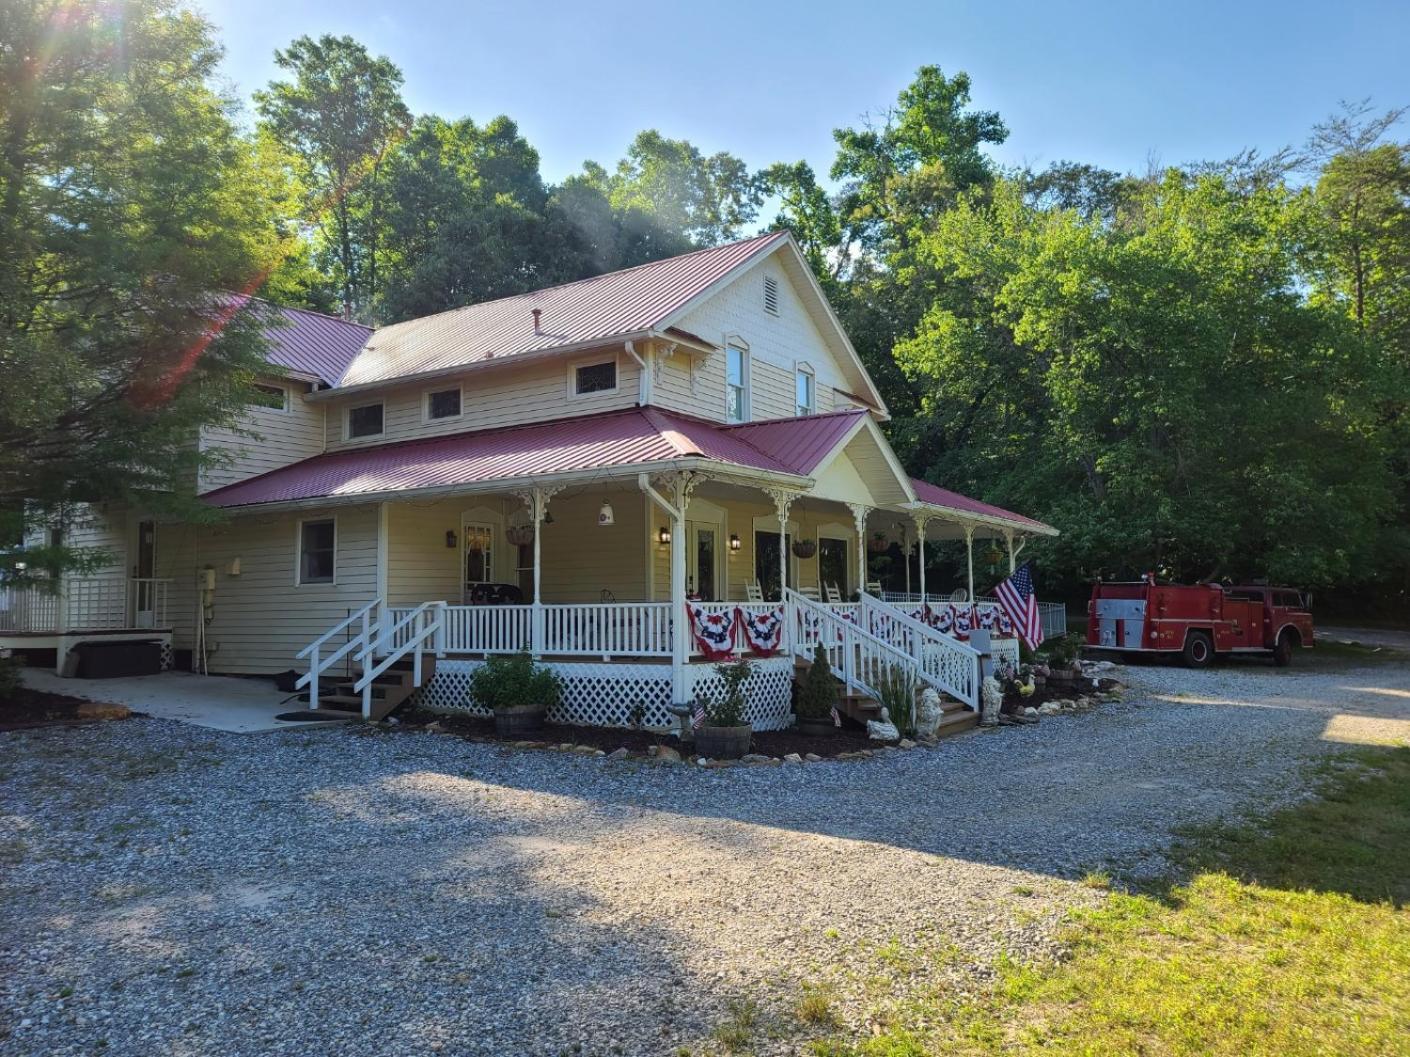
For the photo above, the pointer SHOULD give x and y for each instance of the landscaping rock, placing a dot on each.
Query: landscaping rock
(793, 757)
(666, 754)
(906, 743)
(618, 754)
(812, 757)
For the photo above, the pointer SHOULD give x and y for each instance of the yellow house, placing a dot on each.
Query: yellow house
(628, 475)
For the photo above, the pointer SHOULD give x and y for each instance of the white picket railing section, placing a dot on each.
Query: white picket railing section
(1053, 615)
(860, 659)
(750, 609)
(607, 629)
(946, 663)
(97, 603)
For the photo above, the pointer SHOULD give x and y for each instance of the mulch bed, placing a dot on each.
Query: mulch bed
(37, 708)
(637, 742)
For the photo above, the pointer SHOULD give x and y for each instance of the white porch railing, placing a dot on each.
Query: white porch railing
(412, 635)
(946, 663)
(575, 629)
(1052, 614)
(98, 603)
(860, 659)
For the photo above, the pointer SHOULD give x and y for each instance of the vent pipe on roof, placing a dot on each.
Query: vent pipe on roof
(536, 312)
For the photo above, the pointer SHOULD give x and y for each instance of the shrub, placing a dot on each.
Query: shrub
(896, 692)
(508, 680)
(728, 709)
(818, 694)
(1062, 652)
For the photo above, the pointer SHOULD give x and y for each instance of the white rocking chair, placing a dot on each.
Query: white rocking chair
(959, 594)
(874, 588)
(833, 594)
(753, 592)
(810, 593)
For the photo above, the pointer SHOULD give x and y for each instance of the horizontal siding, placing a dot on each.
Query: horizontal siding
(261, 619)
(279, 438)
(508, 396)
(777, 345)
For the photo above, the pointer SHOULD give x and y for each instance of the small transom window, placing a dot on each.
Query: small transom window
(365, 421)
(595, 378)
(771, 295)
(443, 404)
(317, 544)
(275, 397)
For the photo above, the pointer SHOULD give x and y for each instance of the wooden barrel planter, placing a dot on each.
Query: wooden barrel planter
(519, 720)
(723, 743)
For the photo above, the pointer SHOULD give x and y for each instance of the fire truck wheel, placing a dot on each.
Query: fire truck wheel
(1198, 651)
(1283, 652)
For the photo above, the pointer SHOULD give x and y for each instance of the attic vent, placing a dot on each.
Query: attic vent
(771, 295)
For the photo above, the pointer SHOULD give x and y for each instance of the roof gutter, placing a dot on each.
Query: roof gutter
(969, 517)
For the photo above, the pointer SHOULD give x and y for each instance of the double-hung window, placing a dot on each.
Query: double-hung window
(364, 421)
(805, 392)
(318, 542)
(736, 385)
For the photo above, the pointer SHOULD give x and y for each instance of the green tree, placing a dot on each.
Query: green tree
(133, 215)
(338, 118)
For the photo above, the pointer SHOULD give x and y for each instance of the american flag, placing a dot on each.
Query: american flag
(1021, 604)
(697, 718)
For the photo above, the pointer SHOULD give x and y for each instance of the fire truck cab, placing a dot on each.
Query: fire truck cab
(1198, 621)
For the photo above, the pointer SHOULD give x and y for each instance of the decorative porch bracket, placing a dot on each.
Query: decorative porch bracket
(536, 499)
(678, 488)
(859, 518)
(1014, 552)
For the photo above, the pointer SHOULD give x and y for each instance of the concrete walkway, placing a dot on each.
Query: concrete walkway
(238, 706)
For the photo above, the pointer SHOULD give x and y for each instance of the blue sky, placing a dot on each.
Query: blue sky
(1108, 83)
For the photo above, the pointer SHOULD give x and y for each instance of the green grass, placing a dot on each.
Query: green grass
(1285, 938)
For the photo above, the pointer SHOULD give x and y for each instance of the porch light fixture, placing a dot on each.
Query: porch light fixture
(664, 535)
(450, 539)
(734, 542)
(605, 516)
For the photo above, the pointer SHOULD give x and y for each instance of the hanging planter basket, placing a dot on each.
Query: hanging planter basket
(519, 535)
(993, 556)
(879, 544)
(805, 548)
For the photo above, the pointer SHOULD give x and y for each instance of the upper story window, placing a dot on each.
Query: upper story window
(805, 391)
(588, 378)
(274, 397)
(364, 421)
(771, 295)
(736, 385)
(443, 403)
(318, 544)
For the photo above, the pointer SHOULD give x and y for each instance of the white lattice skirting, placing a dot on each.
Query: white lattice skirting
(607, 695)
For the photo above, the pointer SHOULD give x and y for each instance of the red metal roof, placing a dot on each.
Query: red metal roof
(600, 308)
(799, 444)
(934, 494)
(312, 343)
(591, 442)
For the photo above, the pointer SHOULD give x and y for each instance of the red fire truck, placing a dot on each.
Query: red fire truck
(1198, 621)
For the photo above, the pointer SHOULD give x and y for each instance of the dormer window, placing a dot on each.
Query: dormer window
(736, 384)
(443, 403)
(771, 295)
(805, 390)
(364, 421)
(273, 397)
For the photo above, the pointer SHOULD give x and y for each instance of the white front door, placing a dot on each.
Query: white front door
(144, 603)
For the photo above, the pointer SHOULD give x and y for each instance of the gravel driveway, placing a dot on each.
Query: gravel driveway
(169, 890)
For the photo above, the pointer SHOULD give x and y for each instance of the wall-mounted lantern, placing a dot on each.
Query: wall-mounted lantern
(451, 539)
(734, 543)
(664, 535)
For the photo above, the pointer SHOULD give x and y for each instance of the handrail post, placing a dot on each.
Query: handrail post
(313, 679)
(440, 638)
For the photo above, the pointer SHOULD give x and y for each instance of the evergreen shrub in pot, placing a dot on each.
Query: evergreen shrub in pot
(817, 697)
(725, 733)
(519, 691)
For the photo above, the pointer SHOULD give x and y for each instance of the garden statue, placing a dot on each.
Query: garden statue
(928, 714)
(991, 697)
(882, 729)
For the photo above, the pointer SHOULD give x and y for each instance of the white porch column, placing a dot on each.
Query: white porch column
(536, 499)
(783, 502)
(859, 518)
(906, 554)
(1008, 538)
(678, 488)
(969, 556)
(920, 523)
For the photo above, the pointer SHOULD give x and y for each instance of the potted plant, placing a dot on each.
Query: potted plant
(878, 544)
(519, 692)
(817, 697)
(805, 548)
(896, 692)
(725, 732)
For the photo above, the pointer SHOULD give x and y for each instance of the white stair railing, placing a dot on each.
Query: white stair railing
(860, 659)
(946, 663)
(365, 620)
(413, 634)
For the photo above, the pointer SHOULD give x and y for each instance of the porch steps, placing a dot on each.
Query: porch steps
(956, 718)
(389, 690)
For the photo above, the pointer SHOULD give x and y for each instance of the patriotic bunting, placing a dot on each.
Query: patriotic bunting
(763, 632)
(713, 632)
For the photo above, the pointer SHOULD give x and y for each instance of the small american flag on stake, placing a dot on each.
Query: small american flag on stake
(697, 718)
(1016, 596)
(836, 717)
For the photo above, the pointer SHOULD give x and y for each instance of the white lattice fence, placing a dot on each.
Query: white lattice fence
(606, 695)
(1005, 650)
(768, 693)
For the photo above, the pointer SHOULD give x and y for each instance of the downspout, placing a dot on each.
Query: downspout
(644, 394)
